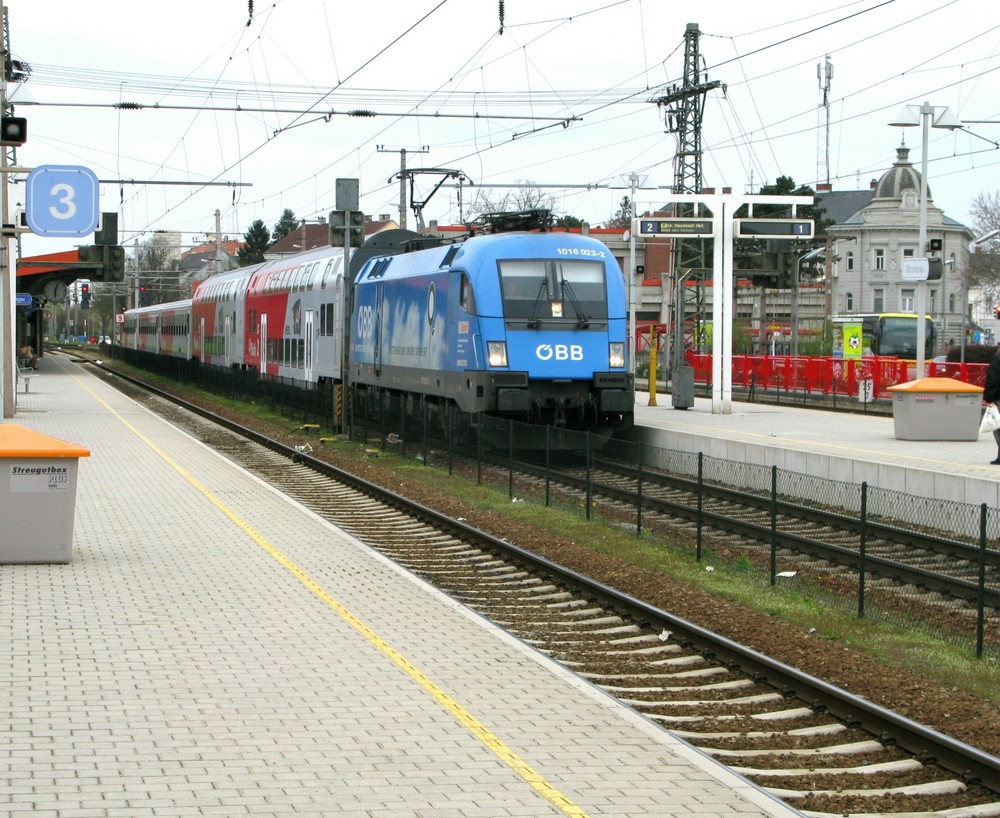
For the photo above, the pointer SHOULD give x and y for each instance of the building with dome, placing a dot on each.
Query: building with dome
(870, 243)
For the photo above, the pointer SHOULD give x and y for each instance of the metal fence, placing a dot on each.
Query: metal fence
(865, 378)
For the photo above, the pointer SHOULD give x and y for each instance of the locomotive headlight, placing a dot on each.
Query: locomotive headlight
(496, 353)
(557, 309)
(616, 354)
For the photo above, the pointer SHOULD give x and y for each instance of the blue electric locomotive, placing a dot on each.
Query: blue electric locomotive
(530, 326)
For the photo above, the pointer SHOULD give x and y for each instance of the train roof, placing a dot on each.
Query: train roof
(472, 253)
(168, 306)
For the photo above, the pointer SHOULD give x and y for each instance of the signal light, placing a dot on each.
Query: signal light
(357, 228)
(85, 296)
(13, 130)
(114, 263)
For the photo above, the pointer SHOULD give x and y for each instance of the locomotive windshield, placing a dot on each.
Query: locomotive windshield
(536, 290)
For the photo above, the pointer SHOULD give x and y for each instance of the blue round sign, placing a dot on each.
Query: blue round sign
(62, 200)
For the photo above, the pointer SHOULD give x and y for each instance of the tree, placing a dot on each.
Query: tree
(623, 218)
(569, 222)
(155, 266)
(255, 243)
(528, 196)
(286, 224)
(984, 263)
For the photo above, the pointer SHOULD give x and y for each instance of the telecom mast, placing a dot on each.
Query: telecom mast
(824, 73)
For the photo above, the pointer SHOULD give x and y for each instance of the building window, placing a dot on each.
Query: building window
(850, 261)
(880, 259)
(951, 302)
(849, 302)
(906, 300)
(933, 307)
(908, 252)
(878, 300)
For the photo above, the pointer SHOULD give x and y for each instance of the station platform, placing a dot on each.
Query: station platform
(214, 648)
(848, 446)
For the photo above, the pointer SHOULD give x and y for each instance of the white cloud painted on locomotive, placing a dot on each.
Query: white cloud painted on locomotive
(406, 319)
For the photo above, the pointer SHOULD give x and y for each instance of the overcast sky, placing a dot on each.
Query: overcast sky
(557, 93)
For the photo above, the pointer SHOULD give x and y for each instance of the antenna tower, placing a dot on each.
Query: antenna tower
(824, 73)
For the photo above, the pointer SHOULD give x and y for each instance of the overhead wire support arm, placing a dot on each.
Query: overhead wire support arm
(418, 205)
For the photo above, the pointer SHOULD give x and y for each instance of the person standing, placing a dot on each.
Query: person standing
(991, 394)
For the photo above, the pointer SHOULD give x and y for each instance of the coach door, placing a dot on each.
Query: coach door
(307, 331)
(262, 344)
(227, 329)
(377, 330)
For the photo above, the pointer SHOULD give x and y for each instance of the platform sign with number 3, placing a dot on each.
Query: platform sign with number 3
(62, 200)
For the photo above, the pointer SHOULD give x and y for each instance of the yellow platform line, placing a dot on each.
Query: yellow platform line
(524, 770)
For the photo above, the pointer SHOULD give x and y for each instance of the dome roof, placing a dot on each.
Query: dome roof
(901, 176)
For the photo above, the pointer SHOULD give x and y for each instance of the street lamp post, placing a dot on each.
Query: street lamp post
(634, 180)
(927, 116)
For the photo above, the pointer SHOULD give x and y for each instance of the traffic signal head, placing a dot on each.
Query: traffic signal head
(13, 130)
(114, 263)
(90, 254)
(357, 228)
(85, 295)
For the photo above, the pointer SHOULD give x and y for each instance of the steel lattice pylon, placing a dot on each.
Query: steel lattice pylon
(684, 106)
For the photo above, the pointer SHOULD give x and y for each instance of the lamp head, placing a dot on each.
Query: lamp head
(906, 117)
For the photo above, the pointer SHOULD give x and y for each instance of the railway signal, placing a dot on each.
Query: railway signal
(13, 130)
(351, 221)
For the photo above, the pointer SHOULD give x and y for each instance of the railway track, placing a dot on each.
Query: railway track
(822, 749)
(899, 556)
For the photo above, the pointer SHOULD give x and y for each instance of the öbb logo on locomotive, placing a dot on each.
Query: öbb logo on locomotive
(559, 352)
